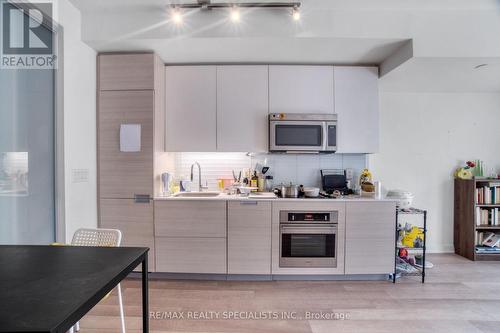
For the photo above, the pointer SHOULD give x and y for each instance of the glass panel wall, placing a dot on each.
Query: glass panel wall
(27, 140)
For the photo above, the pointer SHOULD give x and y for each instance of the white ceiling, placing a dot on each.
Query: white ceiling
(449, 37)
(88, 5)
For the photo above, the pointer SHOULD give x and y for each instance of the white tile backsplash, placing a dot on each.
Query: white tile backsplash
(285, 168)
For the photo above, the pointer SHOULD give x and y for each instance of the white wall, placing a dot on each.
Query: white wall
(79, 122)
(424, 137)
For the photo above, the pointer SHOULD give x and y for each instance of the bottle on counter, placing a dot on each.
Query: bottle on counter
(254, 181)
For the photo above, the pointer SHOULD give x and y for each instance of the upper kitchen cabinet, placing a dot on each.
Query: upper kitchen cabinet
(357, 106)
(301, 89)
(242, 108)
(126, 71)
(191, 108)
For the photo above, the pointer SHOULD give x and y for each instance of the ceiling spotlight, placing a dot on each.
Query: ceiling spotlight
(235, 14)
(176, 15)
(296, 13)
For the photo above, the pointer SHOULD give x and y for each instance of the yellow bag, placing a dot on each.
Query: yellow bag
(410, 237)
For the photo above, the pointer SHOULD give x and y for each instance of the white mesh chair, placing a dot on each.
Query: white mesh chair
(99, 237)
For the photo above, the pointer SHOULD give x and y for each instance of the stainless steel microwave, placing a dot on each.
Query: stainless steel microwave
(302, 133)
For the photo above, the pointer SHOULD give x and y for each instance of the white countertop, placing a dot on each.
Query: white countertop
(227, 197)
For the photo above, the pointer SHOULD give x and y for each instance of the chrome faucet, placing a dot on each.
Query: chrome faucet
(200, 187)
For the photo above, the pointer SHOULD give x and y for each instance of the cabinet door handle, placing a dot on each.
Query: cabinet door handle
(249, 203)
(142, 198)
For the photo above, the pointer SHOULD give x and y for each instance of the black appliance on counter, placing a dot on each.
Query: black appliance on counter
(334, 180)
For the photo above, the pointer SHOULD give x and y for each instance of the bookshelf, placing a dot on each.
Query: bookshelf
(467, 224)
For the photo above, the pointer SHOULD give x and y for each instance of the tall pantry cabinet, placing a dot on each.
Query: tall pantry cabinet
(130, 90)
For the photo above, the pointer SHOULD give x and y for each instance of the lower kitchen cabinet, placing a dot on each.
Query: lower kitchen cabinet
(134, 220)
(191, 255)
(249, 237)
(370, 237)
(190, 218)
(190, 236)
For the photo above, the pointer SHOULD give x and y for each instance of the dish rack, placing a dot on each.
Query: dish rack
(411, 270)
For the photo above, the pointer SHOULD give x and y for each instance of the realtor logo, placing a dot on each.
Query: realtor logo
(27, 35)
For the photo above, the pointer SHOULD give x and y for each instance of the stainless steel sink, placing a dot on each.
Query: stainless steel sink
(196, 194)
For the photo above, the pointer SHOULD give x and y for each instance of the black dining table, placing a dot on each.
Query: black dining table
(50, 288)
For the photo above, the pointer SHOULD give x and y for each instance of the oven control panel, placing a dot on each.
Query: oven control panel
(308, 217)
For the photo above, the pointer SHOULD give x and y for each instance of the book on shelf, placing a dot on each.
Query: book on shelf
(487, 249)
(492, 240)
(488, 195)
(488, 239)
(487, 216)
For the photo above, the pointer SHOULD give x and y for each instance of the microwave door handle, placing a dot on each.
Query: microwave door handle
(325, 136)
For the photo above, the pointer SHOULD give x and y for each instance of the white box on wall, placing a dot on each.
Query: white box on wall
(130, 138)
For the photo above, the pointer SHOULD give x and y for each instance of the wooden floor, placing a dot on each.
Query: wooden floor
(459, 296)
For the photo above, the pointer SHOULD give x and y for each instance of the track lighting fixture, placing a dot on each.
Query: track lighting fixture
(296, 13)
(235, 14)
(235, 8)
(176, 15)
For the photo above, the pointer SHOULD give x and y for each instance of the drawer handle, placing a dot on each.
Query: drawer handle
(142, 198)
(249, 203)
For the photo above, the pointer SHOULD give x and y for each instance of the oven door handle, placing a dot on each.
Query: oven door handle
(309, 230)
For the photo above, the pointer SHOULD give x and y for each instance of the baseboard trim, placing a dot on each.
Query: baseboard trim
(261, 277)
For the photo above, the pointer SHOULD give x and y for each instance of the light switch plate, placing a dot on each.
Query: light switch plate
(349, 173)
(80, 175)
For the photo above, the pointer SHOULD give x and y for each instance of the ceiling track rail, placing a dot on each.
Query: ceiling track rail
(209, 5)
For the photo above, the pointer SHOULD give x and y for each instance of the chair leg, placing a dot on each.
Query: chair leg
(122, 315)
(77, 326)
(71, 330)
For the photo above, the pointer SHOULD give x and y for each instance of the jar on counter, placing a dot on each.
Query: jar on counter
(261, 184)
(268, 183)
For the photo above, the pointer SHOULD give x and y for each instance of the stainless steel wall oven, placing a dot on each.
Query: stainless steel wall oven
(308, 239)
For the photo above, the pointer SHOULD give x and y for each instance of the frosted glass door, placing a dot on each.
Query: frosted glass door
(27, 210)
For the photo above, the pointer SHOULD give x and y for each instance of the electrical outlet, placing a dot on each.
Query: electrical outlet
(80, 175)
(349, 173)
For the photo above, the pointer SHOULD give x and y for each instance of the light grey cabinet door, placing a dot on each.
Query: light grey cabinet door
(191, 255)
(242, 108)
(190, 218)
(370, 237)
(357, 106)
(191, 103)
(134, 220)
(125, 174)
(126, 71)
(301, 89)
(249, 237)
(190, 236)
